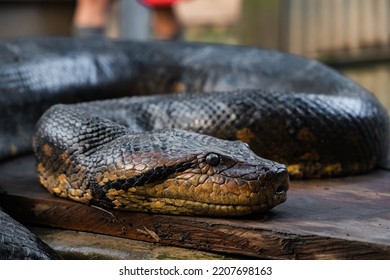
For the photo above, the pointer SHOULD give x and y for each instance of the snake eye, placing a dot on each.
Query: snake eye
(212, 159)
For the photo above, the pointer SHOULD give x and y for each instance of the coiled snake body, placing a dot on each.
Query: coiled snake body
(163, 153)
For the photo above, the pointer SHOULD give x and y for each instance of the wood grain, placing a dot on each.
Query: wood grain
(344, 218)
(77, 245)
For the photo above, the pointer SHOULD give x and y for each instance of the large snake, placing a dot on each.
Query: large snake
(163, 153)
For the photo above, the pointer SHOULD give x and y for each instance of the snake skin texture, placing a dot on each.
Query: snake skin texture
(93, 160)
(17, 242)
(300, 113)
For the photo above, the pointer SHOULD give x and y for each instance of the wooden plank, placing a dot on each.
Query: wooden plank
(83, 245)
(344, 218)
(295, 27)
(260, 24)
(383, 13)
(338, 25)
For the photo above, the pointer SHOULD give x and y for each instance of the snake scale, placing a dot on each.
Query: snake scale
(181, 153)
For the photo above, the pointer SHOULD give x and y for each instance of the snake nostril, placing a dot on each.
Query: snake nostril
(283, 184)
(281, 189)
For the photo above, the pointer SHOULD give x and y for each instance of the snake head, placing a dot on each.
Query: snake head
(179, 172)
(230, 180)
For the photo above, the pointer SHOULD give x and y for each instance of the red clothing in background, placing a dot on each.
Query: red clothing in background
(158, 3)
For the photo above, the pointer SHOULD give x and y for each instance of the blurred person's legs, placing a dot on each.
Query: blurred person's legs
(165, 24)
(90, 17)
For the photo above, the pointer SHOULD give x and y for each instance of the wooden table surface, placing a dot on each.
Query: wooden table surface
(343, 218)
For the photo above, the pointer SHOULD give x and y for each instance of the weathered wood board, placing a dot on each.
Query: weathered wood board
(76, 245)
(344, 218)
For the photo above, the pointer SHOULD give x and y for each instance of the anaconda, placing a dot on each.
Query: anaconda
(288, 109)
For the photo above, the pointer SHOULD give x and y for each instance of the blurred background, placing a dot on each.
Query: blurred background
(352, 36)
